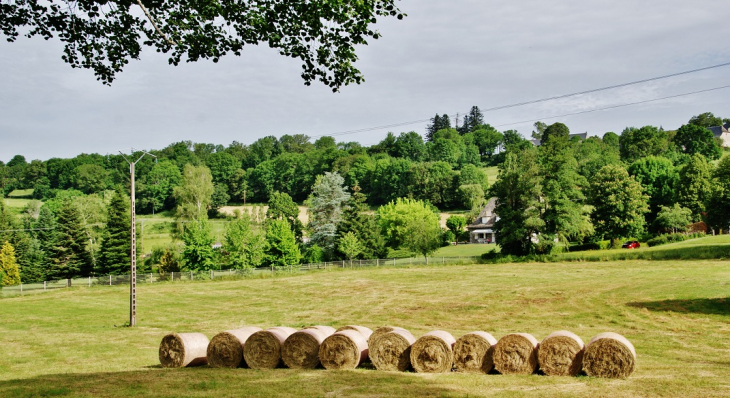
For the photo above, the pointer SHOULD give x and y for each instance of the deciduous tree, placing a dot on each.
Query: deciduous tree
(281, 246)
(619, 203)
(694, 185)
(675, 218)
(9, 270)
(243, 246)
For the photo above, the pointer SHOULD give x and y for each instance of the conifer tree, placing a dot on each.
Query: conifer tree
(115, 245)
(9, 270)
(68, 255)
(364, 226)
(325, 210)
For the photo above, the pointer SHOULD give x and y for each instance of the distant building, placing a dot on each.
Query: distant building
(581, 136)
(722, 133)
(482, 229)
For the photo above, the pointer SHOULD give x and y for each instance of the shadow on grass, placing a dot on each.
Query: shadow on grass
(713, 306)
(204, 381)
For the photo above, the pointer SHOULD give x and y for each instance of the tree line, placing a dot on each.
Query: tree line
(561, 192)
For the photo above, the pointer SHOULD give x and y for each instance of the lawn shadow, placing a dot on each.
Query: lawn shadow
(205, 381)
(711, 306)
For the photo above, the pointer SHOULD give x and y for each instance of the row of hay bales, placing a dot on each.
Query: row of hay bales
(390, 348)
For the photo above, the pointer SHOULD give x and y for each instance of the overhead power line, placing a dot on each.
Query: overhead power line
(518, 104)
(615, 106)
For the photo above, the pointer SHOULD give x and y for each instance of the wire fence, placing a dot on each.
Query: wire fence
(228, 274)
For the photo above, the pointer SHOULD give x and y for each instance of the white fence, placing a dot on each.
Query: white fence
(188, 276)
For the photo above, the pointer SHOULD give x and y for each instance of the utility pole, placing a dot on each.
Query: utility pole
(133, 235)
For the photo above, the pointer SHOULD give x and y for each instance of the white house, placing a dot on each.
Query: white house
(482, 229)
(722, 133)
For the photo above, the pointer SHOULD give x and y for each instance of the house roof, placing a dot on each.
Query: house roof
(719, 130)
(488, 213)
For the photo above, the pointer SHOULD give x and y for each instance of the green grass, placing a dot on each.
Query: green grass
(21, 193)
(676, 313)
(492, 172)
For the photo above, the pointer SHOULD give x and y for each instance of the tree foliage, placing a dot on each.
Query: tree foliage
(694, 185)
(198, 254)
(243, 246)
(519, 193)
(325, 210)
(105, 36)
(356, 220)
(675, 218)
(114, 255)
(68, 253)
(696, 139)
(281, 246)
(9, 270)
(193, 195)
(350, 246)
(456, 225)
(397, 220)
(638, 143)
(619, 203)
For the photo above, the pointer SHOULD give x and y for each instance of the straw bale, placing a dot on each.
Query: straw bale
(391, 350)
(366, 332)
(263, 348)
(301, 349)
(609, 355)
(178, 350)
(473, 353)
(225, 349)
(433, 352)
(345, 349)
(561, 354)
(516, 354)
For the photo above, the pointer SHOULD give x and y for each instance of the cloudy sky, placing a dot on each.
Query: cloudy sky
(443, 58)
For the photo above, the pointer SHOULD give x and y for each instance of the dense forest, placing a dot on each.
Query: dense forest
(564, 191)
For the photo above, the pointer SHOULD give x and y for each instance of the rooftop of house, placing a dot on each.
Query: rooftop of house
(719, 130)
(486, 217)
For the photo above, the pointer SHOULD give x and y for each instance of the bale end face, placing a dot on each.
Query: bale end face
(263, 349)
(516, 354)
(474, 353)
(345, 349)
(391, 351)
(301, 349)
(561, 354)
(183, 349)
(609, 356)
(433, 353)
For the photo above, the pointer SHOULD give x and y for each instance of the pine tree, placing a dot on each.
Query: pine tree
(364, 226)
(115, 245)
(68, 255)
(9, 270)
(437, 123)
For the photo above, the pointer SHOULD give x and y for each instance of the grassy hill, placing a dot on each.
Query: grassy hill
(676, 313)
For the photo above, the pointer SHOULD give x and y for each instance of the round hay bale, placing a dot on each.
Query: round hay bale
(609, 355)
(301, 349)
(178, 350)
(225, 349)
(366, 332)
(473, 353)
(391, 350)
(345, 349)
(263, 348)
(383, 330)
(516, 354)
(433, 352)
(561, 354)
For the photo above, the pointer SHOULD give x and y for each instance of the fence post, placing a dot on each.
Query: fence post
(211, 274)
(191, 275)
(410, 260)
(291, 269)
(443, 260)
(151, 280)
(21, 288)
(44, 286)
(68, 282)
(230, 271)
(394, 261)
(89, 281)
(377, 262)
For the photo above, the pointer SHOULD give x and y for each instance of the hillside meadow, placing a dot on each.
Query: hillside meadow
(676, 313)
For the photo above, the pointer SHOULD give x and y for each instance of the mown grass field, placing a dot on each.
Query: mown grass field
(676, 313)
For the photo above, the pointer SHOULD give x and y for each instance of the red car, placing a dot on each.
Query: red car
(632, 244)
